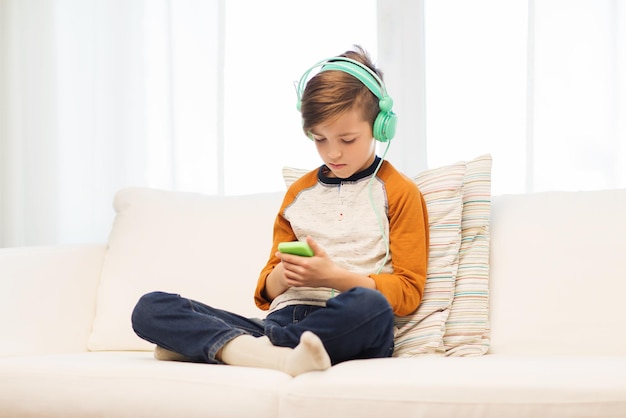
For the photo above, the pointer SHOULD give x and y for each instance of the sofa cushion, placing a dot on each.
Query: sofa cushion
(558, 284)
(467, 326)
(48, 298)
(180, 243)
(422, 332)
(489, 386)
(133, 384)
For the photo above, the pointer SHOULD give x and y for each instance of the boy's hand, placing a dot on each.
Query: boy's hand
(316, 271)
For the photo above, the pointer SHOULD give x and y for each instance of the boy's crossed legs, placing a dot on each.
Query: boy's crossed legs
(366, 330)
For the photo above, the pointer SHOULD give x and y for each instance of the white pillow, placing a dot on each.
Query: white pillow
(442, 188)
(183, 243)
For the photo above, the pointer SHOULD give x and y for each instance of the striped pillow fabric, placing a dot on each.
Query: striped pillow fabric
(423, 331)
(467, 327)
(291, 174)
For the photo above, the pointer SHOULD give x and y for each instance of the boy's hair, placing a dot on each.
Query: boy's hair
(331, 93)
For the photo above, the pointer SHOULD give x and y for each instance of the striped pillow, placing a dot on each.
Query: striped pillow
(422, 332)
(467, 328)
(290, 174)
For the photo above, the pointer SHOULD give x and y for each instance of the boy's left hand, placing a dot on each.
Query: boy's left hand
(316, 271)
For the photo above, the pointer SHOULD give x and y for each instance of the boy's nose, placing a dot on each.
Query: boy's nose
(334, 152)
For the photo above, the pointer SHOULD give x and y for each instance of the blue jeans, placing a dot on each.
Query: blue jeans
(356, 324)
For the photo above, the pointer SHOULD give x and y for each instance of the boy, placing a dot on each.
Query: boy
(367, 227)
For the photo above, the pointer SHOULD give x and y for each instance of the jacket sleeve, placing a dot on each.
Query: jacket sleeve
(409, 244)
(282, 232)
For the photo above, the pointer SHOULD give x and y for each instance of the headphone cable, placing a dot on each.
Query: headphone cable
(377, 212)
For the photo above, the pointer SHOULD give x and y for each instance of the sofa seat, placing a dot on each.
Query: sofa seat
(489, 386)
(133, 384)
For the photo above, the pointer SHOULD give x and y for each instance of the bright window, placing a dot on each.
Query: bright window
(263, 57)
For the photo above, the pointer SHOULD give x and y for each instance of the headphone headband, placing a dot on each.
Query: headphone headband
(385, 124)
(358, 70)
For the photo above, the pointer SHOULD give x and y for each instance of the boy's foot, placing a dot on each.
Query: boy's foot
(246, 350)
(163, 354)
(308, 356)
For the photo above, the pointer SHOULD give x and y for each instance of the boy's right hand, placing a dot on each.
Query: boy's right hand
(276, 284)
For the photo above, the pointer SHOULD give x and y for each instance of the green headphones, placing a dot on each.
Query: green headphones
(385, 123)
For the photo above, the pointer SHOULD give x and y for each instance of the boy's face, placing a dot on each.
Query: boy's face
(346, 145)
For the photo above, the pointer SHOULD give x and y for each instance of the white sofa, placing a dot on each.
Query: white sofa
(554, 345)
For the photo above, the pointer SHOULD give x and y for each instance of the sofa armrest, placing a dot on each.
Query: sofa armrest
(48, 297)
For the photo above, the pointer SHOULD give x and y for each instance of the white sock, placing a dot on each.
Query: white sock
(161, 353)
(250, 351)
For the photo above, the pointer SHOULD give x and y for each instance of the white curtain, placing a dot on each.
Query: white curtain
(190, 95)
(197, 95)
(578, 94)
(85, 112)
(541, 85)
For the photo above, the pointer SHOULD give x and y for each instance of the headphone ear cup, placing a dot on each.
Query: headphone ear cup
(385, 126)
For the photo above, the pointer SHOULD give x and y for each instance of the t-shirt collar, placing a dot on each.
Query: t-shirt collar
(323, 178)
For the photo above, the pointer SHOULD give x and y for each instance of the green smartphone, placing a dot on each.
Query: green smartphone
(296, 247)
